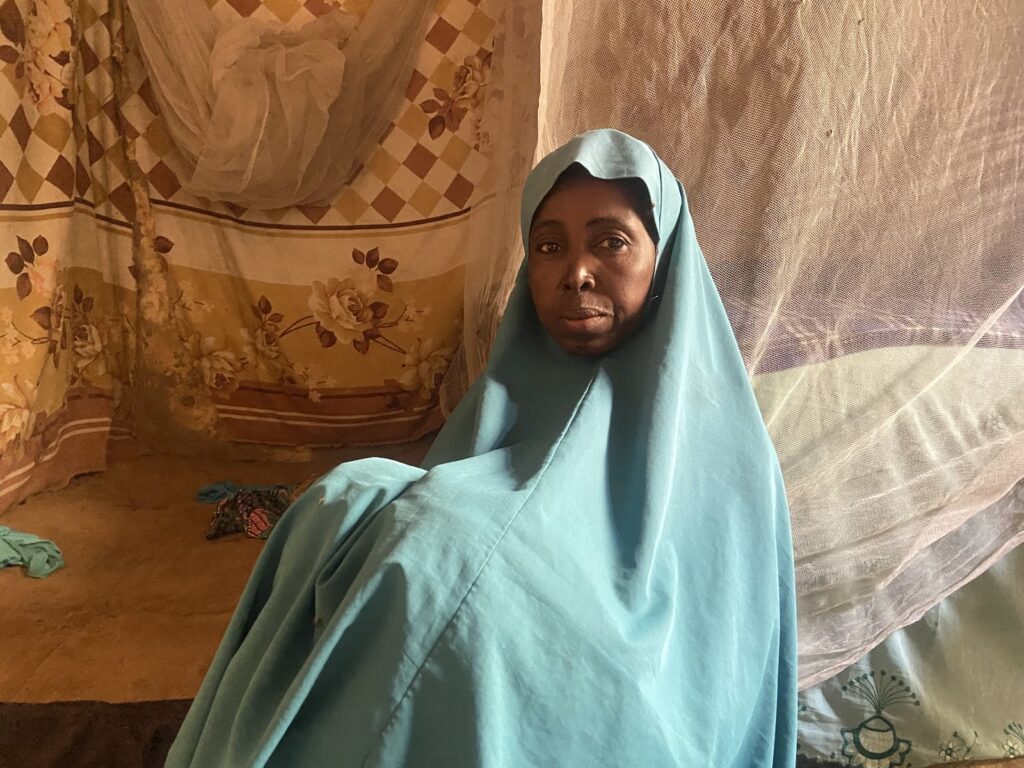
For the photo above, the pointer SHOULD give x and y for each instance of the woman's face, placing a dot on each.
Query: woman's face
(591, 262)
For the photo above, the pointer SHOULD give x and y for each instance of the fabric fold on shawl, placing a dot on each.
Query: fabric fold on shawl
(593, 567)
(41, 557)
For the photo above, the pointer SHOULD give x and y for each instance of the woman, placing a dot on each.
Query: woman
(592, 569)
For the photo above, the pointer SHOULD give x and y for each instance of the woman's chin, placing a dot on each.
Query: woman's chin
(580, 345)
(590, 336)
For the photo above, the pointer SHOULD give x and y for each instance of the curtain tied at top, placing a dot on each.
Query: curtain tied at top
(268, 117)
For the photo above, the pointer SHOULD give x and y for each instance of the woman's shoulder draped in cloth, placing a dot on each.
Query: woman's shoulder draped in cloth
(593, 569)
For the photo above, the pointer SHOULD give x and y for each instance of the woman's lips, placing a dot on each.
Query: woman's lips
(584, 320)
(584, 313)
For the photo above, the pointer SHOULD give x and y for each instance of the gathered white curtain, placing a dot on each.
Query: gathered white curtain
(267, 117)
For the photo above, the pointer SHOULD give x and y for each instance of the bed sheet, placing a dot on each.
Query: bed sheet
(949, 687)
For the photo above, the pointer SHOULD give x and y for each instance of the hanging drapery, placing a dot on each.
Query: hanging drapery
(268, 116)
(134, 311)
(854, 172)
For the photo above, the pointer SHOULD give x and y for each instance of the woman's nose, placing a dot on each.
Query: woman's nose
(578, 276)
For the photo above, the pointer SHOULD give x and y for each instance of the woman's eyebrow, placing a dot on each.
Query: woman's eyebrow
(604, 221)
(545, 223)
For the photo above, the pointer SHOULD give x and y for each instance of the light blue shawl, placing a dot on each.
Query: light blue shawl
(593, 568)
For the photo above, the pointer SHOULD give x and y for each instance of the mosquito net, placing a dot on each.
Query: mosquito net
(265, 116)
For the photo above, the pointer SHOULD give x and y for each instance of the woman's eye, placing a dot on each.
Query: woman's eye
(612, 244)
(547, 247)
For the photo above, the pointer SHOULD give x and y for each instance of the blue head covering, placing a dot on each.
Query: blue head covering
(593, 569)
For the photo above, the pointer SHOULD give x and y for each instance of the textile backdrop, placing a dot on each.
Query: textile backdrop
(131, 309)
(855, 173)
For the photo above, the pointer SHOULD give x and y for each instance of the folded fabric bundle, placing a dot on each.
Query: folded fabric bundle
(40, 557)
(249, 509)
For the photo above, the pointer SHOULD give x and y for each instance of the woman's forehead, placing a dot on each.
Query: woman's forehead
(588, 197)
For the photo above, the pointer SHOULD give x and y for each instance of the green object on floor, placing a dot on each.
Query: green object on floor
(40, 557)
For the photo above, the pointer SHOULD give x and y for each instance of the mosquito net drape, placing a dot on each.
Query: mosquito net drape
(856, 172)
(267, 116)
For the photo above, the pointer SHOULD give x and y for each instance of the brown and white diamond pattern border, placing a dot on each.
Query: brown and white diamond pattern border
(411, 175)
(35, 150)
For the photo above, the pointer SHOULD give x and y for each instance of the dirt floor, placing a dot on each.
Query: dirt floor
(138, 610)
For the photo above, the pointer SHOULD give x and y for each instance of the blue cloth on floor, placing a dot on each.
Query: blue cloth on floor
(40, 557)
(215, 493)
(593, 568)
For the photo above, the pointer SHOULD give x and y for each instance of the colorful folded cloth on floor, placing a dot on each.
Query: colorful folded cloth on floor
(40, 557)
(249, 509)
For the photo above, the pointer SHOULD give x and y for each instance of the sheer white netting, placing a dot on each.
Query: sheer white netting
(855, 172)
(267, 117)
